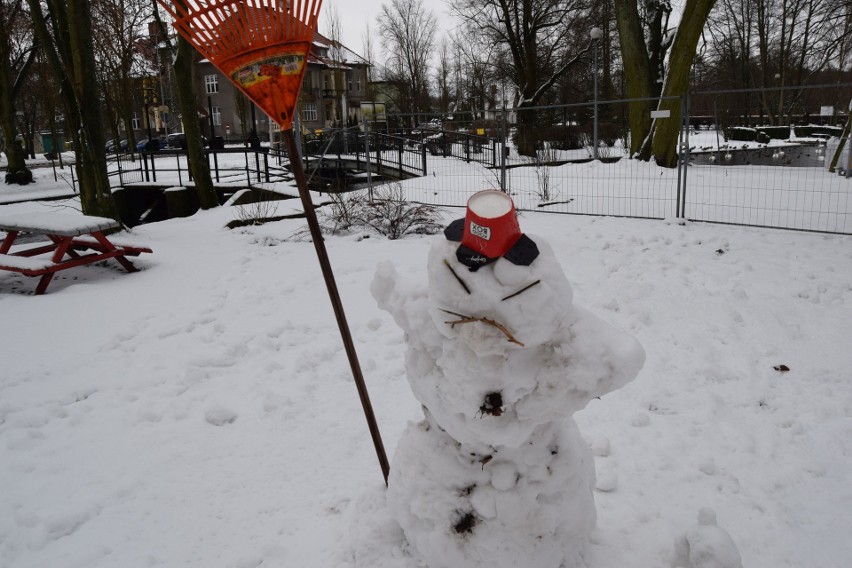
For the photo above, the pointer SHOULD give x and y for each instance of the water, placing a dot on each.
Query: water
(798, 156)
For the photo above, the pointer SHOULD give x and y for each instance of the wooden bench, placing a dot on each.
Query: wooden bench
(24, 265)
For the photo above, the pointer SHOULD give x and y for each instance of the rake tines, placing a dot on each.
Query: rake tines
(260, 44)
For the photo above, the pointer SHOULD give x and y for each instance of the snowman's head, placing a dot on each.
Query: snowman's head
(502, 303)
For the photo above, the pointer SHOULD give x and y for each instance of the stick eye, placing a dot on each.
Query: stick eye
(521, 291)
(457, 277)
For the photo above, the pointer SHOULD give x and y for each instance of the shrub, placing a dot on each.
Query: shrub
(775, 132)
(563, 137)
(21, 177)
(388, 214)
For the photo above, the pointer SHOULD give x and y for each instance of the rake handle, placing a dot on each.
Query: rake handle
(319, 244)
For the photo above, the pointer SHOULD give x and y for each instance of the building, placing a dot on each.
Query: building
(334, 86)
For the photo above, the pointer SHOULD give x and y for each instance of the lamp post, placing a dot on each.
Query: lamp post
(596, 34)
(150, 145)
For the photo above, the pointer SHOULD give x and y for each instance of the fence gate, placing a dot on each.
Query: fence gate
(129, 168)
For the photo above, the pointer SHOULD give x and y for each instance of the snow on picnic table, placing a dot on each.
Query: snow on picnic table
(202, 413)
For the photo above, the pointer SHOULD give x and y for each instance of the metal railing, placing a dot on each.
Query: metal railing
(242, 166)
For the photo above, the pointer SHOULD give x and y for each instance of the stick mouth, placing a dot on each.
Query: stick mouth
(462, 319)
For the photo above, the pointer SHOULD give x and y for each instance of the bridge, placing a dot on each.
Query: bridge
(394, 156)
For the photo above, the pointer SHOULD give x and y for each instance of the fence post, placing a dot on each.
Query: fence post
(248, 171)
(118, 163)
(423, 157)
(399, 143)
(679, 159)
(502, 133)
(367, 159)
(686, 111)
(379, 154)
(266, 166)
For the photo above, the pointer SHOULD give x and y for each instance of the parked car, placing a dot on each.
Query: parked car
(431, 126)
(178, 140)
(114, 148)
(145, 144)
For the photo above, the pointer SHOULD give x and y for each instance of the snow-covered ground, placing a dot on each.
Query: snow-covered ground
(201, 413)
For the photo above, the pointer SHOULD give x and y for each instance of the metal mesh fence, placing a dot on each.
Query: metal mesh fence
(544, 159)
(764, 158)
(771, 158)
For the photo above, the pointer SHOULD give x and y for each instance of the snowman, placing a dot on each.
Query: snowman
(496, 474)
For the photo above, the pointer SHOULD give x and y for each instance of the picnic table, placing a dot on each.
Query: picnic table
(70, 236)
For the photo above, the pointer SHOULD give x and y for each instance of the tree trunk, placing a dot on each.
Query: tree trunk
(637, 71)
(14, 152)
(844, 140)
(185, 86)
(97, 199)
(67, 46)
(527, 140)
(665, 132)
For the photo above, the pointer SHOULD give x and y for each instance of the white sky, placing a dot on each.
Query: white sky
(356, 15)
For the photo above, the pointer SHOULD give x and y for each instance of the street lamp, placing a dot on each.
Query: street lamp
(150, 145)
(596, 34)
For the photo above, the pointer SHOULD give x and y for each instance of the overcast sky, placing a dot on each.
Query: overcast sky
(355, 15)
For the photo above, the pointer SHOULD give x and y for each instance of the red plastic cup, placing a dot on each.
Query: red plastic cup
(490, 224)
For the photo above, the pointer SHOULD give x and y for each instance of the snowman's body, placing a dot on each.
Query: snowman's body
(497, 473)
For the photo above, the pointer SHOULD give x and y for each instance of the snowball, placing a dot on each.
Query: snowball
(600, 446)
(219, 415)
(706, 545)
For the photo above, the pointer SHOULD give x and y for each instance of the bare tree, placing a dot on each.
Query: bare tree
(476, 71)
(538, 39)
(185, 57)
(338, 73)
(369, 55)
(120, 25)
(777, 45)
(17, 53)
(407, 31)
(644, 70)
(64, 31)
(442, 77)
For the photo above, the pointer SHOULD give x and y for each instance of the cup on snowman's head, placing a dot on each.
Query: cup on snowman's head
(489, 231)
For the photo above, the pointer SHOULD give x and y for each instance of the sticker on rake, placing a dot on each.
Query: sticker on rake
(263, 70)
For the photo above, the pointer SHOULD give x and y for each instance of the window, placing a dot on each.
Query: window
(217, 116)
(309, 112)
(349, 82)
(136, 122)
(358, 85)
(211, 84)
